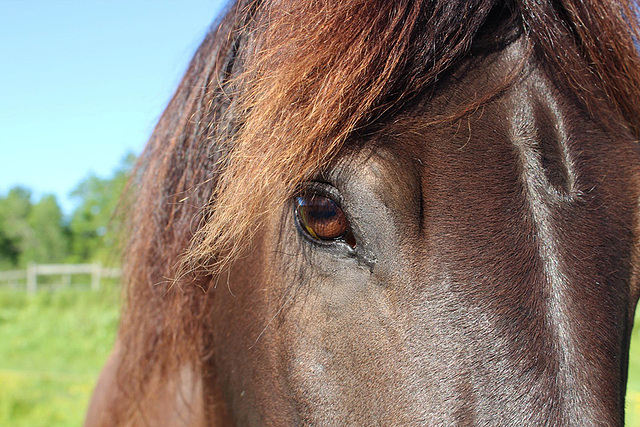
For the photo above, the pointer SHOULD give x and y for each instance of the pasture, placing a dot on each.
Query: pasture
(53, 347)
(54, 344)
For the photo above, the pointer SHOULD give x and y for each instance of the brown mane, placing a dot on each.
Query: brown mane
(274, 92)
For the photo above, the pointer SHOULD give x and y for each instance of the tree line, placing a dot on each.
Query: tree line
(38, 231)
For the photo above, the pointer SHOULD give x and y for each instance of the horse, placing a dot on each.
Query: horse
(387, 213)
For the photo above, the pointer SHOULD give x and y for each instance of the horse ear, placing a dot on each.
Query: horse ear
(502, 27)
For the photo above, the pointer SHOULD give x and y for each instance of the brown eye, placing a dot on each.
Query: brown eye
(323, 219)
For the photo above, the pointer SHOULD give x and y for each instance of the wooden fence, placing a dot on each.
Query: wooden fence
(64, 271)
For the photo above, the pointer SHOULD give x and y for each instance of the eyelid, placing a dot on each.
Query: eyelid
(323, 189)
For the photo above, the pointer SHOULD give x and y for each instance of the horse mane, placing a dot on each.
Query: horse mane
(274, 92)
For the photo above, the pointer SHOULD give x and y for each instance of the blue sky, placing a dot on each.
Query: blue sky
(82, 83)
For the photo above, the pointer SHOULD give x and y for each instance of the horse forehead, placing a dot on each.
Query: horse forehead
(496, 105)
(526, 152)
(531, 143)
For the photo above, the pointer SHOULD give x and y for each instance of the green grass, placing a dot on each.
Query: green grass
(53, 345)
(633, 384)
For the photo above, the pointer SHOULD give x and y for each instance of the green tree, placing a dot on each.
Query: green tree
(31, 232)
(15, 231)
(49, 237)
(40, 233)
(94, 227)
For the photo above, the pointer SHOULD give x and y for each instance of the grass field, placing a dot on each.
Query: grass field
(633, 385)
(52, 346)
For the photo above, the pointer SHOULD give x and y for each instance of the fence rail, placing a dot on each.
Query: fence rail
(96, 271)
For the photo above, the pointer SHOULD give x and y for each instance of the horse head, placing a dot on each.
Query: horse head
(388, 213)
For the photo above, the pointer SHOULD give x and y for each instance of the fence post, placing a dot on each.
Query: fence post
(96, 272)
(32, 278)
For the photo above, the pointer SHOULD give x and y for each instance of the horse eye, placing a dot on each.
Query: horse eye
(323, 219)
